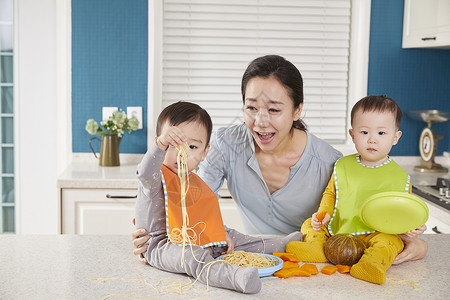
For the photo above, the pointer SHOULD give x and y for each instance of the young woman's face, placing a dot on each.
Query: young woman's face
(269, 113)
(374, 133)
(196, 135)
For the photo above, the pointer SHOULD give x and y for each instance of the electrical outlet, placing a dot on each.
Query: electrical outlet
(135, 111)
(107, 112)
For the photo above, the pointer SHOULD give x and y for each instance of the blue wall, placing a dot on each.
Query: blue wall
(109, 68)
(415, 78)
(109, 65)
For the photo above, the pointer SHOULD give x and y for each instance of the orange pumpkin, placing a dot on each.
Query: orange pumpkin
(344, 249)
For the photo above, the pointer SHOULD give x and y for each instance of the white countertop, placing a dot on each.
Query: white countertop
(87, 173)
(95, 267)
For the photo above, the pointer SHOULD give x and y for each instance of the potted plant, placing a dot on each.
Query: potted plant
(111, 131)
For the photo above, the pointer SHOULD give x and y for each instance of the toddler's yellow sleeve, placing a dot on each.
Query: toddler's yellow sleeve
(329, 197)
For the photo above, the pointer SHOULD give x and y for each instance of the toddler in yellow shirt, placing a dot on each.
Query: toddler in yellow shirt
(375, 124)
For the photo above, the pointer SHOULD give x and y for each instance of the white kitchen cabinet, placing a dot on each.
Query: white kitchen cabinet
(426, 24)
(84, 204)
(97, 211)
(439, 218)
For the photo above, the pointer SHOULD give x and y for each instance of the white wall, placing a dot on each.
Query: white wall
(36, 108)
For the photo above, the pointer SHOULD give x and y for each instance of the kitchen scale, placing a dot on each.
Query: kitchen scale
(428, 139)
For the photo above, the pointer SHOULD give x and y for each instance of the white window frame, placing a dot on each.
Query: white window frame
(37, 75)
(358, 67)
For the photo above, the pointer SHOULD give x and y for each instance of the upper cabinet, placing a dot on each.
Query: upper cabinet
(426, 24)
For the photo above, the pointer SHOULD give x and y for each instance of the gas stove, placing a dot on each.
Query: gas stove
(438, 194)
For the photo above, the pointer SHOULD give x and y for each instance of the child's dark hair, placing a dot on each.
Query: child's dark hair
(181, 112)
(379, 103)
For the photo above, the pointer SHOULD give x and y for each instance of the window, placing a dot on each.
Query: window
(206, 46)
(7, 220)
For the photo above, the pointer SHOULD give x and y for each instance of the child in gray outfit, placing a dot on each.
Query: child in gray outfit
(180, 123)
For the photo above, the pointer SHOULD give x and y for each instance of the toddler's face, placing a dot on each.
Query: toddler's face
(196, 135)
(374, 133)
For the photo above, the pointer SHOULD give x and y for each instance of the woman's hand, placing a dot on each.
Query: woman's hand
(230, 244)
(416, 232)
(415, 248)
(316, 224)
(137, 241)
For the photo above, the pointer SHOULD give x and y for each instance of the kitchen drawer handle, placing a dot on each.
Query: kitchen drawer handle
(119, 197)
(435, 229)
(429, 38)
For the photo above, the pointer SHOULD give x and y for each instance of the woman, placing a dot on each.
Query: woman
(276, 170)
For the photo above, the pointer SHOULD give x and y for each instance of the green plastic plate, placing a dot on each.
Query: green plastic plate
(394, 212)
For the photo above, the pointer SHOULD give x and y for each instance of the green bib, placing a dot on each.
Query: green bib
(355, 182)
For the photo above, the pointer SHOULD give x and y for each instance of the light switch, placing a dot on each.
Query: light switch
(135, 111)
(107, 112)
